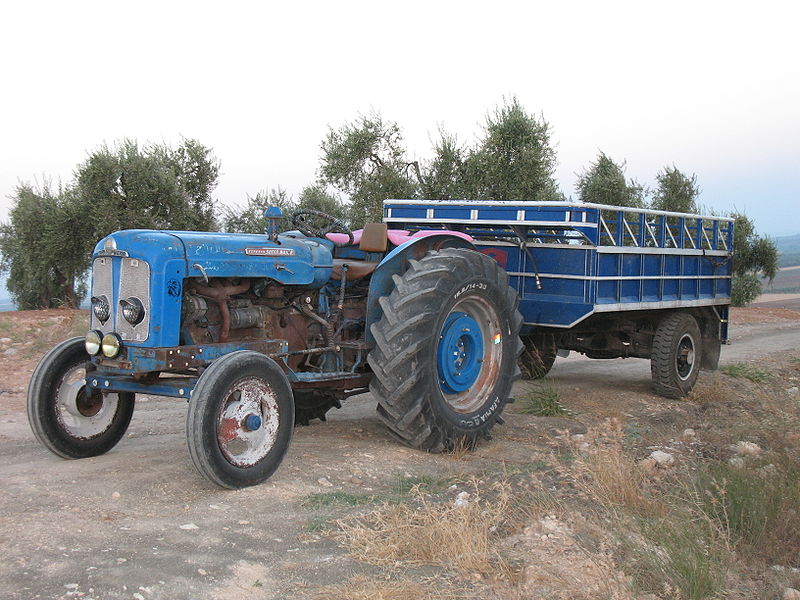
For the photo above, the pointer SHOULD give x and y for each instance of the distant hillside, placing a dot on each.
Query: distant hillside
(788, 250)
(5, 301)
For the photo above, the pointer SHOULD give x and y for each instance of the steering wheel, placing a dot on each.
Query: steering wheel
(315, 223)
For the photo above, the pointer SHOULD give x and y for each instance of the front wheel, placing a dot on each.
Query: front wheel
(675, 356)
(69, 419)
(240, 420)
(446, 349)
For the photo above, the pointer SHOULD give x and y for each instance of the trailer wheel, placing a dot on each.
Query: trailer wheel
(675, 357)
(538, 356)
(240, 420)
(310, 405)
(67, 418)
(446, 350)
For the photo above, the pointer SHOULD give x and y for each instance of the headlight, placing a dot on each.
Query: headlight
(132, 310)
(94, 340)
(101, 308)
(111, 345)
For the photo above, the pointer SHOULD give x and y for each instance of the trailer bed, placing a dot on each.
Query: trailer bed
(570, 260)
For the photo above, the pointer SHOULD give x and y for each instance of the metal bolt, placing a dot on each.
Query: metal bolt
(180, 392)
(106, 383)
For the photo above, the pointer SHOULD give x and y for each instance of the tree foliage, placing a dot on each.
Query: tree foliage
(444, 176)
(604, 183)
(366, 160)
(250, 218)
(675, 191)
(46, 245)
(152, 187)
(515, 159)
(755, 257)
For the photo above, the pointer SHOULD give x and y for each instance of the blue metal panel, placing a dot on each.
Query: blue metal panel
(629, 258)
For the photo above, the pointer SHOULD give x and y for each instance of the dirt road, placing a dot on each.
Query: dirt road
(140, 523)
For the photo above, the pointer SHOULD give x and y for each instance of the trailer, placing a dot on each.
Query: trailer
(605, 281)
(433, 311)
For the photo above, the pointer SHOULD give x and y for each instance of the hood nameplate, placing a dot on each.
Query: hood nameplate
(269, 252)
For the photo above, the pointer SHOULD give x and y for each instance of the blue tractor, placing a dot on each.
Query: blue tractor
(260, 332)
(434, 317)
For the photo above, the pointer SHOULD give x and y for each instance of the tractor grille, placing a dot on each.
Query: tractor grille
(133, 276)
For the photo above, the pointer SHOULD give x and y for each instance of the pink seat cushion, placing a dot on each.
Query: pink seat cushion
(396, 236)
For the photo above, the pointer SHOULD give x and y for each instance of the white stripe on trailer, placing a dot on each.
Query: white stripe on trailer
(614, 277)
(623, 306)
(554, 224)
(657, 250)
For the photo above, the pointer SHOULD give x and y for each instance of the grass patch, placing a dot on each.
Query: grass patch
(543, 399)
(757, 508)
(678, 558)
(405, 485)
(711, 389)
(613, 478)
(430, 534)
(318, 525)
(327, 499)
(364, 588)
(745, 371)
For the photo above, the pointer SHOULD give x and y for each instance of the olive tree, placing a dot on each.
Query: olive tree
(154, 186)
(366, 160)
(604, 183)
(755, 259)
(45, 247)
(514, 158)
(675, 191)
(47, 243)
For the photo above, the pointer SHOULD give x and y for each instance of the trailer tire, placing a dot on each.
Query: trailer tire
(65, 417)
(310, 405)
(675, 356)
(446, 350)
(240, 420)
(538, 356)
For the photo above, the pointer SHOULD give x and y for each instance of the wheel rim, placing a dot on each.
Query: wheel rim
(468, 354)
(684, 357)
(247, 427)
(83, 414)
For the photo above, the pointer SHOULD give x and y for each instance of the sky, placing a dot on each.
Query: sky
(710, 87)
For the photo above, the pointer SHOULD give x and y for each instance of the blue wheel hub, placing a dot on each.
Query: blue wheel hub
(459, 356)
(252, 422)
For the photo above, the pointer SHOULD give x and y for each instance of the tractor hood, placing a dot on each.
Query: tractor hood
(292, 260)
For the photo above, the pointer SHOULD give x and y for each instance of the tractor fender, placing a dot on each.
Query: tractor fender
(396, 262)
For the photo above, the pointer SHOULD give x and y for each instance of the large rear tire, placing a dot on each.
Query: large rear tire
(240, 420)
(66, 417)
(675, 356)
(446, 349)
